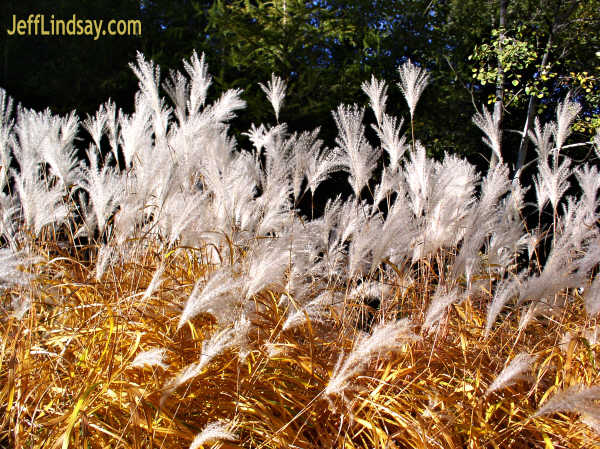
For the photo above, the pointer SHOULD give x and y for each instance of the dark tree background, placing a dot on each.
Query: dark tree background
(325, 49)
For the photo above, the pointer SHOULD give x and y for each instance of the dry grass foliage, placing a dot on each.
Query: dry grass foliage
(167, 292)
(67, 378)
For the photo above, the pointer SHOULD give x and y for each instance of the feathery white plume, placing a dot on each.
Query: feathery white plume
(9, 208)
(513, 372)
(155, 282)
(388, 132)
(419, 175)
(361, 157)
(10, 262)
(104, 187)
(107, 255)
(542, 138)
(573, 399)
(40, 206)
(58, 150)
(489, 124)
(202, 298)
(413, 81)
(210, 349)
(589, 182)
(135, 135)
(95, 125)
(223, 109)
(176, 86)
(566, 112)
(438, 307)
(552, 182)
(150, 357)
(321, 165)
(385, 337)
(200, 81)
(505, 291)
(213, 432)
(268, 266)
(377, 92)
(592, 297)
(241, 329)
(275, 90)
(148, 74)
(5, 159)
(314, 311)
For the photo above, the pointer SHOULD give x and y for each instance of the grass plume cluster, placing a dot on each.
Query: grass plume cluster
(168, 293)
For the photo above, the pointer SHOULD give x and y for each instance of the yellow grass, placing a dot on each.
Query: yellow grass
(66, 379)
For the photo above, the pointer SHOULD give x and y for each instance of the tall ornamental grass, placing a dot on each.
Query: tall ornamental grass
(166, 291)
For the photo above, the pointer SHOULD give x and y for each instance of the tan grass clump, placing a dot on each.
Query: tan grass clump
(67, 378)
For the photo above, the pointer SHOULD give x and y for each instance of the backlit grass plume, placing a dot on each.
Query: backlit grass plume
(384, 338)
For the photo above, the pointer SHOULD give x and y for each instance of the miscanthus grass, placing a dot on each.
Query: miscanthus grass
(165, 291)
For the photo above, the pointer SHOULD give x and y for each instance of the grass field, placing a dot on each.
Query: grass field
(172, 295)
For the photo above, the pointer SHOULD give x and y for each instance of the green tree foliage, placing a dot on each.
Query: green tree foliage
(319, 48)
(546, 49)
(324, 50)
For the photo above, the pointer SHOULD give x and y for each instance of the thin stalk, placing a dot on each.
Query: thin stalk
(412, 131)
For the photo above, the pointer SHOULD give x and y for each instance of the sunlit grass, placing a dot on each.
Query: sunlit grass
(67, 379)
